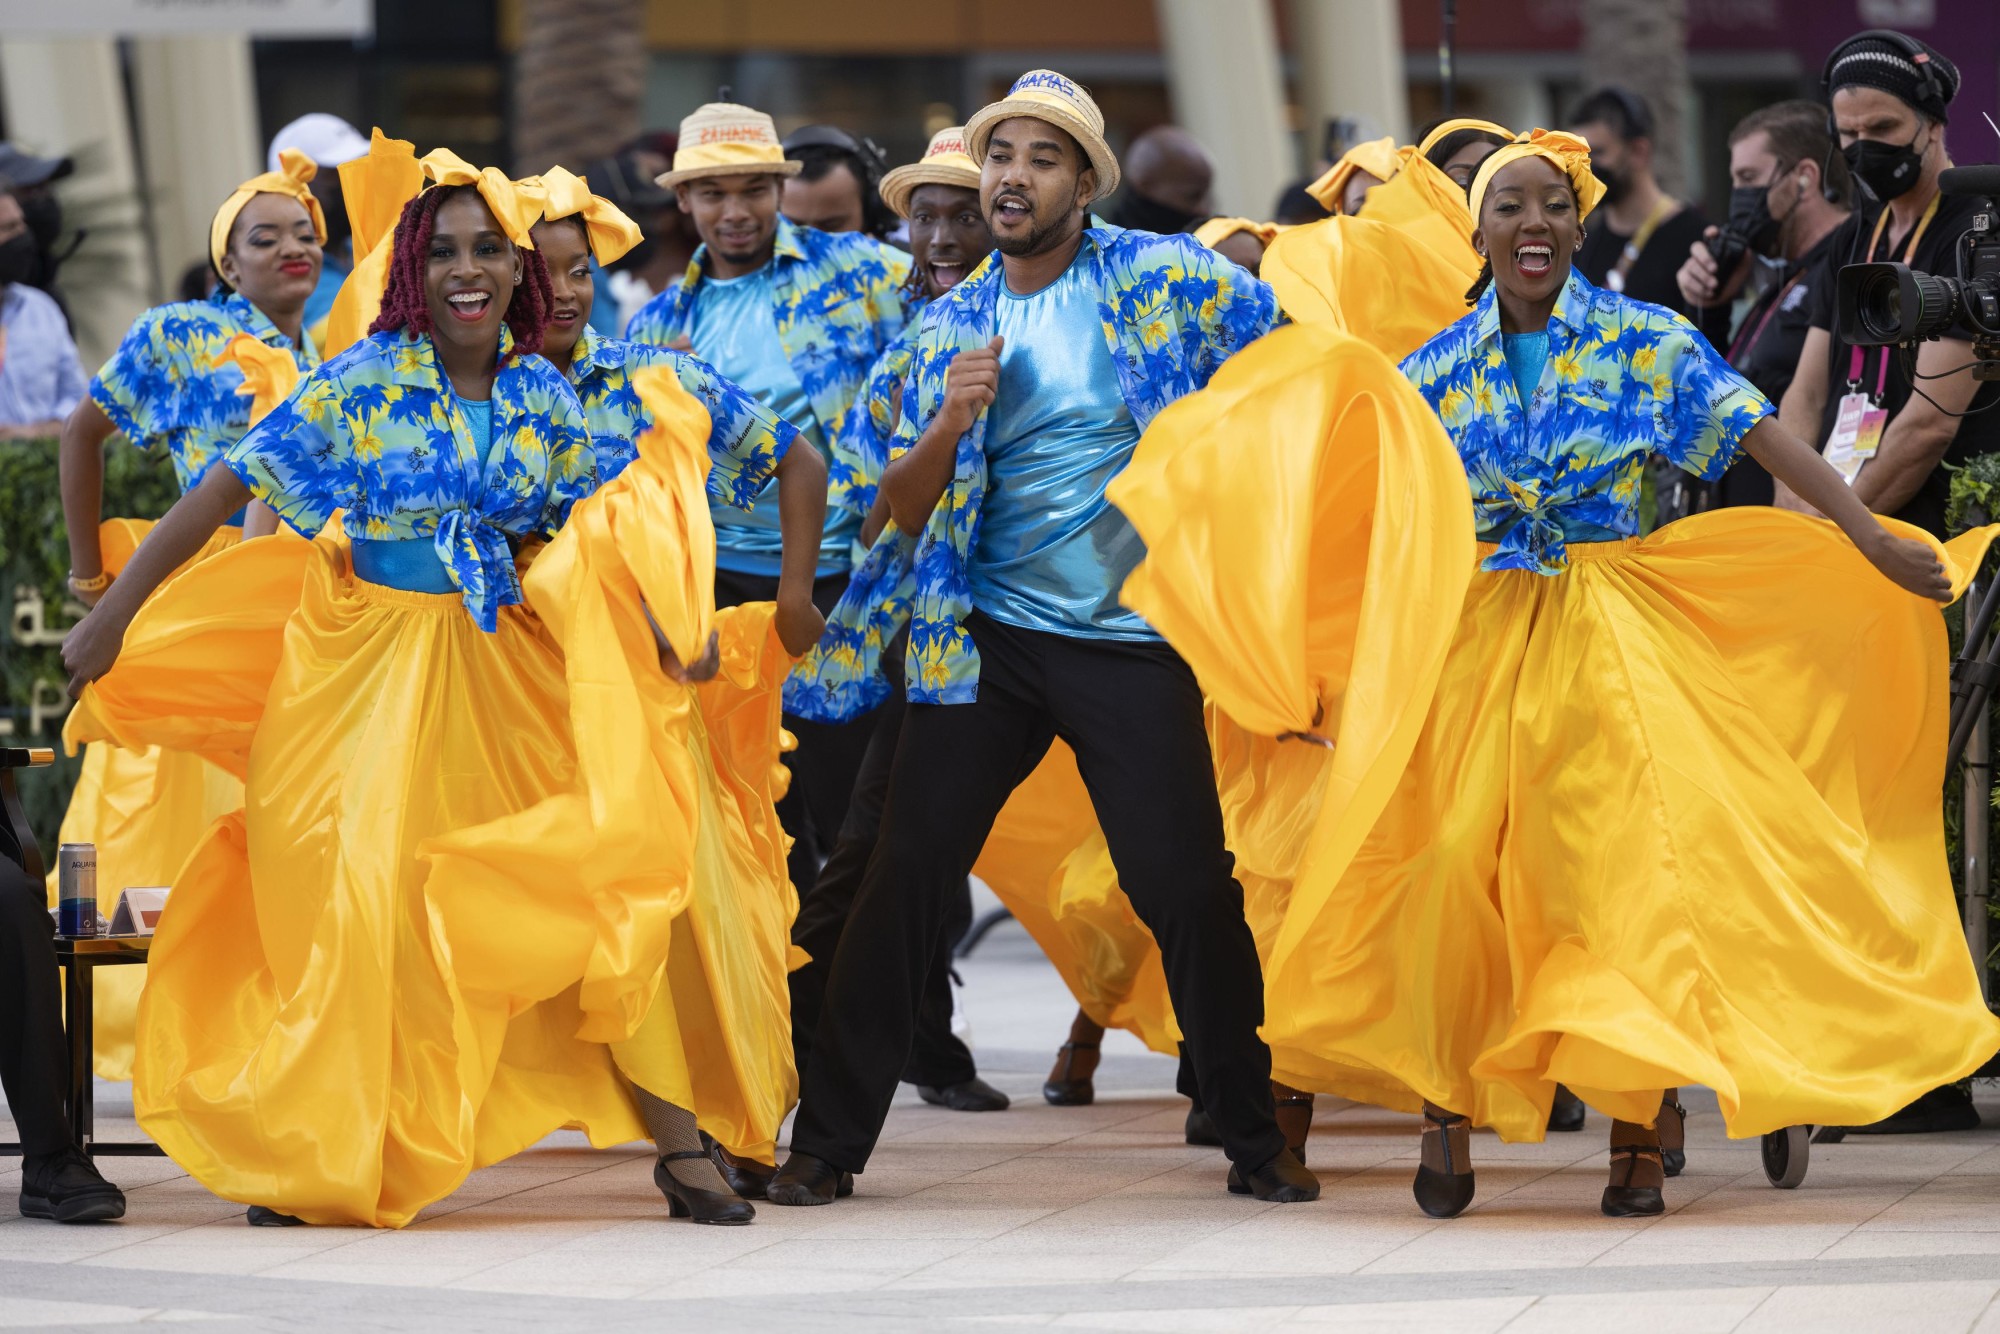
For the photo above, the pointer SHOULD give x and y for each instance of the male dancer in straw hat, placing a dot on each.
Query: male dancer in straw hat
(795, 316)
(1033, 380)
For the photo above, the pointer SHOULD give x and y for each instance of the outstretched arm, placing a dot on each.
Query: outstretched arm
(801, 475)
(1798, 465)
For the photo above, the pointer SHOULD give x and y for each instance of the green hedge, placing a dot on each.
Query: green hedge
(1975, 494)
(34, 563)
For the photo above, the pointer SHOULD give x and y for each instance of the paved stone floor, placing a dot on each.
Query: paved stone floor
(1095, 1217)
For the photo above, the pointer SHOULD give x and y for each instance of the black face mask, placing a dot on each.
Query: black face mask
(42, 211)
(1616, 183)
(1139, 213)
(1888, 170)
(1750, 217)
(20, 260)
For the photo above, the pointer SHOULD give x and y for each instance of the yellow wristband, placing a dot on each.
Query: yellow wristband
(95, 584)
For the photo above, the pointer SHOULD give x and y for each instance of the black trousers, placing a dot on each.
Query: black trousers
(937, 1057)
(1132, 713)
(829, 755)
(34, 1059)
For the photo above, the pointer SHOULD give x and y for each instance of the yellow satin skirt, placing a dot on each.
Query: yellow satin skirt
(144, 810)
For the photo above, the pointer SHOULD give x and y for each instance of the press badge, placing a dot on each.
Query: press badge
(1857, 434)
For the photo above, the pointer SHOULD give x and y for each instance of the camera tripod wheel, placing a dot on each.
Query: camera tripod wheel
(1787, 1153)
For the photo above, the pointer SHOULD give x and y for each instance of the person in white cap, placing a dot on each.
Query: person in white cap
(796, 316)
(328, 141)
(1033, 381)
(939, 198)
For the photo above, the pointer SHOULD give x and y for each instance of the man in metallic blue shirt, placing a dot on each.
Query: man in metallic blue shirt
(1031, 384)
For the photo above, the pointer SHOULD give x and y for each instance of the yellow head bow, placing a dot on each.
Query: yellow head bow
(561, 193)
(512, 209)
(1450, 127)
(1569, 153)
(298, 170)
(1380, 158)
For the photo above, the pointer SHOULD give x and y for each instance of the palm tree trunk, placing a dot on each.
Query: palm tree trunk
(1641, 45)
(579, 78)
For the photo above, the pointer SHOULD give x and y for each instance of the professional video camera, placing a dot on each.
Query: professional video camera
(1879, 305)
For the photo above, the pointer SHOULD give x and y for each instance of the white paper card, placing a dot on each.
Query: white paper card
(139, 911)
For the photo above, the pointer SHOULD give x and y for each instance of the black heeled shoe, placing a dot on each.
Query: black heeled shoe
(259, 1216)
(805, 1179)
(1072, 1082)
(703, 1206)
(1445, 1192)
(1673, 1136)
(1282, 1180)
(1566, 1112)
(974, 1095)
(1200, 1129)
(1295, 1117)
(746, 1176)
(1628, 1200)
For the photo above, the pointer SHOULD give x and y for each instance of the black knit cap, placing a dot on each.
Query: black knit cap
(1870, 61)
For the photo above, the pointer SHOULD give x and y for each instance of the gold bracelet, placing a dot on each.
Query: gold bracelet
(97, 583)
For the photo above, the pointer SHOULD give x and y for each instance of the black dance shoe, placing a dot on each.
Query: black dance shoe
(1628, 1200)
(1295, 1117)
(805, 1179)
(746, 1176)
(974, 1095)
(1566, 1112)
(1072, 1082)
(703, 1206)
(1445, 1192)
(259, 1216)
(1282, 1180)
(67, 1187)
(1201, 1129)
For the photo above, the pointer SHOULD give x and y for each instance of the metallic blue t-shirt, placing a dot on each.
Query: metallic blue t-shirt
(1051, 552)
(734, 330)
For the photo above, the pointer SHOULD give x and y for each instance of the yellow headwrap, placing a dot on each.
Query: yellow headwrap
(515, 211)
(298, 170)
(1217, 230)
(561, 193)
(1451, 127)
(1569, 152)
(1380, 158)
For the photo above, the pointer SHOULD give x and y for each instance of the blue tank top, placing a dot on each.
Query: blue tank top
(412, 564)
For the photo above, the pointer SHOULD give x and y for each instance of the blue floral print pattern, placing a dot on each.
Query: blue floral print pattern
(1623, 380)
(377, 433)
(162, 384)
(861, 450)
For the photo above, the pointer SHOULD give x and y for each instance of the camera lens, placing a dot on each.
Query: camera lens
(1895, 304)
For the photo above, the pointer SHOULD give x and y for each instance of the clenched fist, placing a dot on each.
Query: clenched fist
(969, 385)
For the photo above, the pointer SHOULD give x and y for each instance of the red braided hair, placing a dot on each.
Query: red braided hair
(406, 303)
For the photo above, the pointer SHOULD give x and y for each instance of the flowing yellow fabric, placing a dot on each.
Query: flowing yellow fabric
(269, 373)
(377, 188)
(1570, 154)
(303, 1041)
(1668, 818)
(561, 193)
(294, 178)
(1217, 230)
(1380, 158)
(658, 876)
(1389, 286)
(144, 809)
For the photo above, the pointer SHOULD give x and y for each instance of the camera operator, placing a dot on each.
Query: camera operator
(1789, 196)
(1889, 94)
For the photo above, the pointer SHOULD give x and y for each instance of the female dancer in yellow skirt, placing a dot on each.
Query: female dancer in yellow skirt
(169, 385)
(308, 1041)
(1672, 815)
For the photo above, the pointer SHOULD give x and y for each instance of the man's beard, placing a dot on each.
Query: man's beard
(1041, 235)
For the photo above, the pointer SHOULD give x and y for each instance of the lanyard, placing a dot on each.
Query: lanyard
(1744, 342)
(1909, 247)
(1635, 247)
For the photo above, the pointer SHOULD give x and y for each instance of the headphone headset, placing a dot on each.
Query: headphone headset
(874, 161)
(1930, 89)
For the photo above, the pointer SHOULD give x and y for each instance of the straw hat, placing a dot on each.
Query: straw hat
(945, 162)
(1062, 102)
(723, 139)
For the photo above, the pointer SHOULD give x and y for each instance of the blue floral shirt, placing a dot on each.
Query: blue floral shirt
(745, 439)
(1173, 311)
(1623, 380)
(839, 303)
(162, 384)
(377, 433)
(861, 451)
